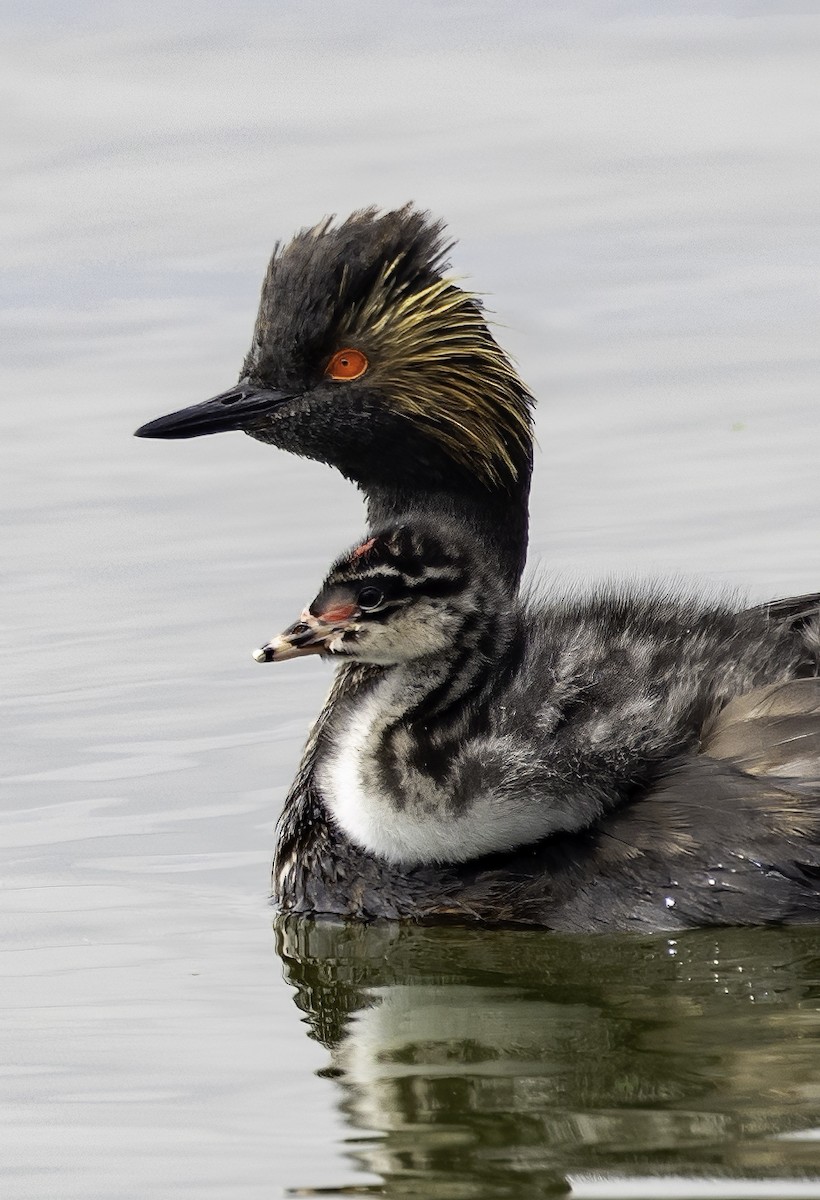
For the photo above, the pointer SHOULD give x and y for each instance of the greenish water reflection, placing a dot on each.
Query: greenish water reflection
(475, 1063)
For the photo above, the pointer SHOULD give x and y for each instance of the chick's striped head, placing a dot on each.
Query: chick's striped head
(403, 593)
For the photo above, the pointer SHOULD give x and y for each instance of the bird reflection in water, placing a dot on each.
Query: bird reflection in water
(514, 1063)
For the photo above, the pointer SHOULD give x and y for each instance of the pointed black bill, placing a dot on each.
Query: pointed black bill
(229, 410)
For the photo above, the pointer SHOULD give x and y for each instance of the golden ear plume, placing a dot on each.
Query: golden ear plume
(435, 359)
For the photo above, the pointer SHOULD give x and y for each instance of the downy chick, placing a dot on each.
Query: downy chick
(496, 723)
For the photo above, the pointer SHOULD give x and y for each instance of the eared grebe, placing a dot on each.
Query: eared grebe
(661, 752)
(365, 356)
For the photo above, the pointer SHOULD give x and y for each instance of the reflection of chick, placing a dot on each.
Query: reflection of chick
(497, 725)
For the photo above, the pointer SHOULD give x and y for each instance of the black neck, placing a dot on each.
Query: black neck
(499, 520)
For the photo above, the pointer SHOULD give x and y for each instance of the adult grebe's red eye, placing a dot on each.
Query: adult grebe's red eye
(347, 364)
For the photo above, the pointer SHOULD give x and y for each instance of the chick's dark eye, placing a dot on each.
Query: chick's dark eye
(370, 598)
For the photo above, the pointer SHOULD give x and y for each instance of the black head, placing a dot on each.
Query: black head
(404, 593)
(367, 357)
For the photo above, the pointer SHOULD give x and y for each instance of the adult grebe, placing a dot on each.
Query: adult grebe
(365, 356)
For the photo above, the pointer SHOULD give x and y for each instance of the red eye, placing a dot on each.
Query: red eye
(346, 364)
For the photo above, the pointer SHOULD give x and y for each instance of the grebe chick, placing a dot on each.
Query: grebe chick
(496, 724)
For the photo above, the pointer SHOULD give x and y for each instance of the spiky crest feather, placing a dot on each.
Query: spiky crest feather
(437, 361)
(375, 281)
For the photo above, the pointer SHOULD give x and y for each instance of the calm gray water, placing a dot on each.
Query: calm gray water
(635, 187)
